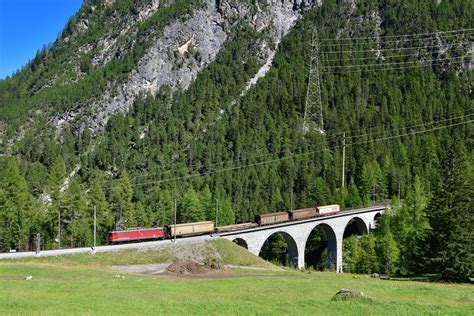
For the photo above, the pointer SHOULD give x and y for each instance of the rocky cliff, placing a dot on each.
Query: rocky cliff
(180, 51)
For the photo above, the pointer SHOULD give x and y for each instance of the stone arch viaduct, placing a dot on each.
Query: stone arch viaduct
(296, 234)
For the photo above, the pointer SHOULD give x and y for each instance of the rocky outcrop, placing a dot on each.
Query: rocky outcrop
(185, 47)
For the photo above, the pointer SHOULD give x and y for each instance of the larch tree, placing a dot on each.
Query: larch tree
(16, 208)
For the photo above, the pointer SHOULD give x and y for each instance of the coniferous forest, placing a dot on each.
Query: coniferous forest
(409, 139)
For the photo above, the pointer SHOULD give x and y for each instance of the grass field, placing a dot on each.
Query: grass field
(84, 284)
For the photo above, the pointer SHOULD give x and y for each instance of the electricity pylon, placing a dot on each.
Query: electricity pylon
(313, 112)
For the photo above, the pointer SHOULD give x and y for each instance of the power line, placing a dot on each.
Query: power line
(390, 64)
(211, 165)
(418, 54)
(410, 126)
(407, 64)
(381, 40)
(328, 139)
(381, 50)
(302, 154)
(393, 68)
(395, 36)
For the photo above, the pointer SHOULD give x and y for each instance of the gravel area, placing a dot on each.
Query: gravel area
(156, 268)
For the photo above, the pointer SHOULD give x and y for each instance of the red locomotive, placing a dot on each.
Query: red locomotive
(137, 234)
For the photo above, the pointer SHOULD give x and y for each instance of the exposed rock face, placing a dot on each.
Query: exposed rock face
(107, 44)
(186, 47)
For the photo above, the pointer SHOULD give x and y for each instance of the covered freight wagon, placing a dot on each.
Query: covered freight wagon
(188, 229)
(272, 218)
(328, 209)
(302, 213)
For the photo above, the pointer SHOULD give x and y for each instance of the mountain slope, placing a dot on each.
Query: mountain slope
(203, 133)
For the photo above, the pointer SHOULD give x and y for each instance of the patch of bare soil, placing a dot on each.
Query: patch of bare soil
(187, 267)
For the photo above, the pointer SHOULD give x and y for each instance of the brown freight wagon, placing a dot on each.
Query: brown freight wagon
(189, 229)
(271, 218)
(302, 213)
(234, 227)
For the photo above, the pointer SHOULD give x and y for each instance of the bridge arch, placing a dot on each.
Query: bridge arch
(291, 247)
(356, 226)
(241, 242)
(376, 220)
(324, 235)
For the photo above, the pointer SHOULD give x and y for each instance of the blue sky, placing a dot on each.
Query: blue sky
(27, 25)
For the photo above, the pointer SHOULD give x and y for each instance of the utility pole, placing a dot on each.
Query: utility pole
(373, 196)
(174, 230)
(217, 212)
(38, 243)
(291, 200)
(343, 157)
(398, 190)
(313, 113)
(59, 230)
(95, 225)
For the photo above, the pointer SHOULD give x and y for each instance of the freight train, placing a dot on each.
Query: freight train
(207, 227)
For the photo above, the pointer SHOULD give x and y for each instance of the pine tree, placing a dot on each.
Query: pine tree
(373, 185)
(104, 215)
(191, 209)
(57, 174)
(122, 199)
(77, 216)
(207, 202)
(226, 214)
(411, 227)
(350, 253)
(16, 208)
(353, 197)
(367, 260)
(320, 193)
(451, 216)
(387, 248)
(165, 208)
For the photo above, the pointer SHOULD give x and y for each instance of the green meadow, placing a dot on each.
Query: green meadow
(85, 284)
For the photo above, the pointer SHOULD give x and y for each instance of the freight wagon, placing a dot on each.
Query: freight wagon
(229, 228)
(302, 214)
(188, 229)
(328, 210)
(272, 218)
